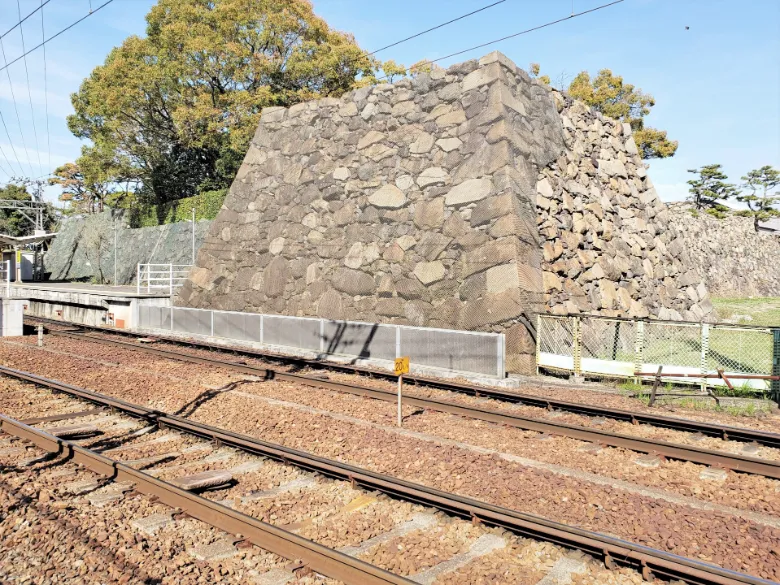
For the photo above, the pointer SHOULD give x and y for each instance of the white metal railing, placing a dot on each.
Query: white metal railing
(160, 277)
(590, 344)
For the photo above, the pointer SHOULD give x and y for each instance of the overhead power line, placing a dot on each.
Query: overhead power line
(438, 26)
(54, 36)
(23, 19)
(523, 32)
(29, 91)
(21, 170)
(46, 91)
(16, 108)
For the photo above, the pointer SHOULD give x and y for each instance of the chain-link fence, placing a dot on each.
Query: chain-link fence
(594, 345)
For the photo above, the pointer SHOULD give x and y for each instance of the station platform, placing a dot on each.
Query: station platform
(87, 303)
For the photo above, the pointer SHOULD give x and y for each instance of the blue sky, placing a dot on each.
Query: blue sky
(716, 85)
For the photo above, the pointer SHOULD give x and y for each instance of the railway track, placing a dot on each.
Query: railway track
(668, 422)
(613, 551)
(715, 458)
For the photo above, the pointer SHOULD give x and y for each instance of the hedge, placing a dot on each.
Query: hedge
(206, 204)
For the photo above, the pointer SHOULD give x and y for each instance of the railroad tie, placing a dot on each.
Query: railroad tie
(203, 481)
(419, 521)
(484, 545)
(73, 431)
(562, 571)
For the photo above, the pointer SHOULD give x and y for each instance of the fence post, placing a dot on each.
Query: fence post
(501, 367)
(170, 279)
(705, 347)
(775, 384)
(639, 349)
(538, 340)
(8, 278)
(577, 346)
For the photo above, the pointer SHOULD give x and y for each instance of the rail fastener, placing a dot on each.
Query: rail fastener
(622, 552)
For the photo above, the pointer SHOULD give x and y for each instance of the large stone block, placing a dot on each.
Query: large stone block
(353, 282)
(466, 198)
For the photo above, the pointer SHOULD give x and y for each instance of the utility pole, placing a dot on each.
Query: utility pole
(193, 235)
(115, 254)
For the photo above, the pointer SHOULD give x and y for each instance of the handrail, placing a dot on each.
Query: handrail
(160, 277)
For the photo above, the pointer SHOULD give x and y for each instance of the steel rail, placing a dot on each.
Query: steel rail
(319, 558)
(651, 562)
(615, 551)
(742, 463)
(709, 429)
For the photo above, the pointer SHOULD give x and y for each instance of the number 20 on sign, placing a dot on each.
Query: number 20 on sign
(401, 368)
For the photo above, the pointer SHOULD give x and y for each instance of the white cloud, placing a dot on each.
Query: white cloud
(59, 105)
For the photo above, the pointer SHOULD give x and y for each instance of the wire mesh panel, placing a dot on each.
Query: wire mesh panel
(608, 346)
(678, 346)
(608, 339)
(453, 350)
(556, 335)
(364, 340)
(735, 349)
(242, 326)
(195, 321)
(292, 332)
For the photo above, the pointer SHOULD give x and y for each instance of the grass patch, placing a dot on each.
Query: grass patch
(750, 409)
(748, 311)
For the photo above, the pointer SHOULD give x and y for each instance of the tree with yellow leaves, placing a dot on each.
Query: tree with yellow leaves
(179, 106)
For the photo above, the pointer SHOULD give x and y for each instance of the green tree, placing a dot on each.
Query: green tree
(710, 189)
(761, 203)
(608, 94)
(83, 194)
(174, 111)
(14, 223)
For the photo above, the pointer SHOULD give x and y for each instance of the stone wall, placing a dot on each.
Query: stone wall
(73, 253)
(609, 246)
(728, 254)
(470, 198)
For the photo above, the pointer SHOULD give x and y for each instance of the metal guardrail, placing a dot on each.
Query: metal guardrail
(161, 277)
(590, 344)
(454, 350)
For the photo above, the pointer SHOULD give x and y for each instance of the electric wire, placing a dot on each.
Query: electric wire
(11, 142)
(8, 160)
(16, 108)
(23, 19)
(46, 92)
(29, 91)
(517, 34)
(438, 26)
(54, 36)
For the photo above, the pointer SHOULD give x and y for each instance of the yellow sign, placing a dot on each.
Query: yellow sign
(18, 256)
(401, 366)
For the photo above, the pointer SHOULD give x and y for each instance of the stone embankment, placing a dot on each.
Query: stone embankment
(609, 246)
(470, 198)
(729, 255)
